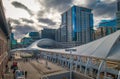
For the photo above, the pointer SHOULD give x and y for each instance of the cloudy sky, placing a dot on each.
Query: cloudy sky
(33, 15)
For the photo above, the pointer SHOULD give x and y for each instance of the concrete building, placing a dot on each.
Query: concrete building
(118, 14)
(76, 26)
(105, 27)
(48, 33)
(4, 39)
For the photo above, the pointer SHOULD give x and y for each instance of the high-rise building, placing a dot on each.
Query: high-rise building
(4, 39)
(118, 14)
(118, 5)
(48, 33)
(34, 35)
(77, 25)
(57, 35)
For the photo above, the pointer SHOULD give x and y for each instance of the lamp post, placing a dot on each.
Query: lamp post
(118, 75)
(46, 62)
(70, 50)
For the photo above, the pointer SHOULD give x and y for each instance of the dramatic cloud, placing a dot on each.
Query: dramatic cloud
(103, 9)
(27, 20)
(22, 30)
(47, 13)
(47, 21)
(20, 5)
(14, 21)
(59, 5)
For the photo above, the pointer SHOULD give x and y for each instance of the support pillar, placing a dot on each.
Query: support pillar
(86, 67)
(80, 64)
(76, 63)
(66, 62)
(78, 59)
(100, 68)
(105, 73)
(118, 75)
(91, 71)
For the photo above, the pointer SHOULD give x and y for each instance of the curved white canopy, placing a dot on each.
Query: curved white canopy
(107, 47)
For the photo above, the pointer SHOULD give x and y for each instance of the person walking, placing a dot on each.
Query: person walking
(25, 74)
(2, 75)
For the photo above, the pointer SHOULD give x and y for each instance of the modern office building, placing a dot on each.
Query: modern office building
(118, 14)
(26, 41)
(34, 35)
(48, 33)
(105, 27)
(76, 26)
(118, 5)
(4, 39)
(13, 41)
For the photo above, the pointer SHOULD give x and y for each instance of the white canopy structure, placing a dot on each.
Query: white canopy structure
(107, 47)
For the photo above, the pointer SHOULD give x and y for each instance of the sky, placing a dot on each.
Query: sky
(34, 15)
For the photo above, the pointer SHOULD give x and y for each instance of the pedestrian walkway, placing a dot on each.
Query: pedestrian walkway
(41, 66)
(8, 76)
(36, 68)
(32, 72)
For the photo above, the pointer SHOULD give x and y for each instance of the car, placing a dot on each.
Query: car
(19, 74)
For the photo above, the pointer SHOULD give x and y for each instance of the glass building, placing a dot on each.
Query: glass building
(118, 5)
(118, 14)
(48, 33)
(77, 25)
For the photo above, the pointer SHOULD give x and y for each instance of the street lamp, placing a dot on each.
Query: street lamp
(46, 61)
(70, 50)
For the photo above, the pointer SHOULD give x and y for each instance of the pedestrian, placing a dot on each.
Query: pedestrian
(25, 74)
(2, 75)
(6, 66)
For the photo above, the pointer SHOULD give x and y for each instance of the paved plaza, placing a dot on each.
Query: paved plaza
(37, 68)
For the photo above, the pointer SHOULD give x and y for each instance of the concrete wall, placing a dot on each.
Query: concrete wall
(77, 75)
(60, 76)
(66, 75)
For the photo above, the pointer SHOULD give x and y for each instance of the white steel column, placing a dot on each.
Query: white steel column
(66, 62)
(100, 68)
(71, 65)
(118, 75)
(78, 59)
(86, 67)
(105, 73)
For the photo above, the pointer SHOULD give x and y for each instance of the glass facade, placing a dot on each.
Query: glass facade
(74, 34)
(118, 14)
(118, 5)
(77, 23)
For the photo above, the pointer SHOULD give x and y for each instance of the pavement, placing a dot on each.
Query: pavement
(35, 68)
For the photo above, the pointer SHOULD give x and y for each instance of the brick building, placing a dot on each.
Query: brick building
(4, 39)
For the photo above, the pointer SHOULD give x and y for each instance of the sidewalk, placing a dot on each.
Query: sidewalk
(8, 76)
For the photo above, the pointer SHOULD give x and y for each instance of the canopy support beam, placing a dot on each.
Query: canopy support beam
(100, 68)
(118, 75)
(86, 67)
